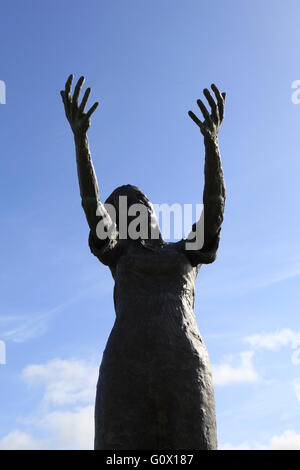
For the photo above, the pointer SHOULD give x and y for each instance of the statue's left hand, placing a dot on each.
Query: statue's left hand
(212, 121)
(79, 120)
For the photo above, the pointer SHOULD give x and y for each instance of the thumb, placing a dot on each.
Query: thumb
(62, 96)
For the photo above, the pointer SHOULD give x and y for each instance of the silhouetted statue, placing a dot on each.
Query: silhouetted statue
(155, 387)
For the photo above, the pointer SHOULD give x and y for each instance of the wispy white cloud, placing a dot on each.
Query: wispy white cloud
(246, 445)
(245, 276)
(62, 429)
(72, 429)
(227, 372)
(64, 381)
(290, 272)
(21, 328)
(66, 417)
(275, 340)
(288, 440)
(20, 440)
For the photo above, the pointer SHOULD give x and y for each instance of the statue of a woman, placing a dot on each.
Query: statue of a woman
(155, 387)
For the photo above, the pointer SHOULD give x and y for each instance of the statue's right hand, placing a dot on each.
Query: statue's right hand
(78, 119)
(212, 121)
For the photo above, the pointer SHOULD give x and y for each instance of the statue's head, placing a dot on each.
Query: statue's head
(132, 205)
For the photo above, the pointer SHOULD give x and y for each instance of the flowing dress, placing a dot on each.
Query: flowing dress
(155, 387)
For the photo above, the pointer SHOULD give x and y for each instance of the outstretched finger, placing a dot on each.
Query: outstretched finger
(91, 110)
(62, 94)
(220, 100)
(212, 103)
(195, 119)
(68, 86)
(84, 100)
(204, 110)
(65, 102)
(77, 91)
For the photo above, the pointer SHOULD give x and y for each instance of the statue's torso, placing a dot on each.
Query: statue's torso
(155, 368)
(154, 299)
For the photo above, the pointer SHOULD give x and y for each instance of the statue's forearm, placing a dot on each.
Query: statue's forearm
(214, 191)
(86, 174)
(95, 212)
(87, 178)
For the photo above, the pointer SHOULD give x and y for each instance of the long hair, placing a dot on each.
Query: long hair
(134, 196)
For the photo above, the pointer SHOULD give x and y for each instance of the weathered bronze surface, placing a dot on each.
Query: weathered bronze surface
(155, 387)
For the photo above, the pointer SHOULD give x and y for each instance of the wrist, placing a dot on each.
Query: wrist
(80, 138)
(210, 138)
(211, 141)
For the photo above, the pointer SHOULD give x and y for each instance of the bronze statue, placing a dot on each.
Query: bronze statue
(155, 387)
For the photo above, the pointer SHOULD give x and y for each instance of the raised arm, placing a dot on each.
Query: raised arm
(79, 121)
(214, 187)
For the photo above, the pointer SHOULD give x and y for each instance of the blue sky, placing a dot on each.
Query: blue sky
(147, 63)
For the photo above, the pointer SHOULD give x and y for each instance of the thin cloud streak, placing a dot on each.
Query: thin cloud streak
(21, 328)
